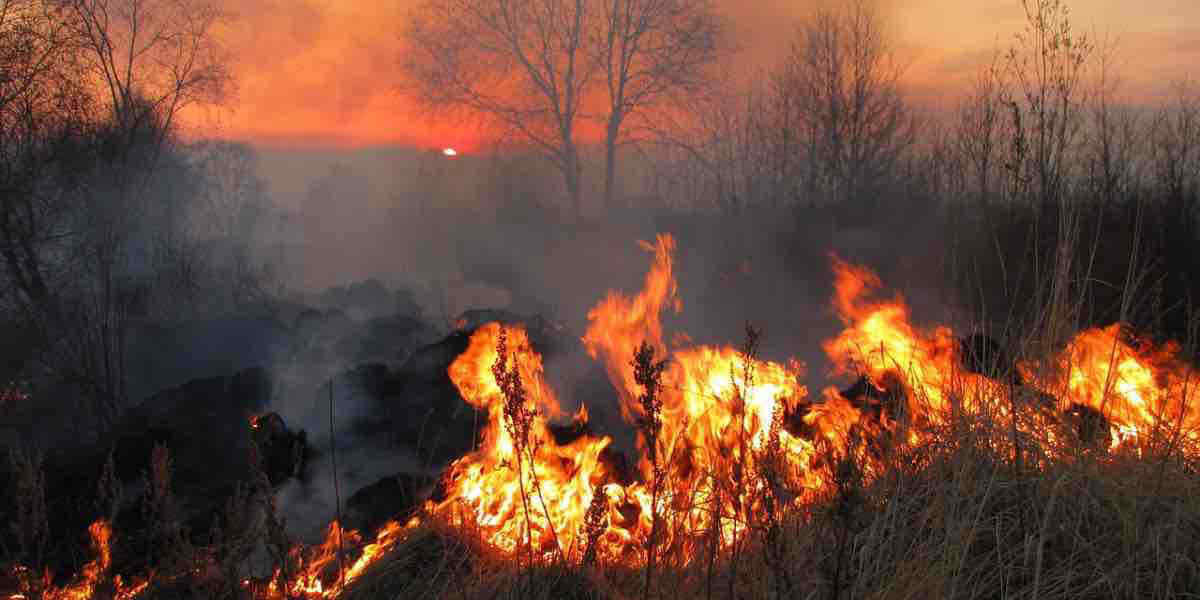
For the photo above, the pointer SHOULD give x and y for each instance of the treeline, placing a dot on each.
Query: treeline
(107, 215)
(1049, 189)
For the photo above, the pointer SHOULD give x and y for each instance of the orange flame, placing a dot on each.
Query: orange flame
(619, 324)
(1138, 387)
(324, 575)
(91, 578)
(484, 488)
(723, 456)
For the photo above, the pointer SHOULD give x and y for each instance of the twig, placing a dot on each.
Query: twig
(337, 493)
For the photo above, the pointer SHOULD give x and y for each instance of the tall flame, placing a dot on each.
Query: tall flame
(485, 488)
(739, 436)
(620, 323)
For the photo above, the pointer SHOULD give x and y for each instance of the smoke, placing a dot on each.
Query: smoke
(490, 231)
(309, 505)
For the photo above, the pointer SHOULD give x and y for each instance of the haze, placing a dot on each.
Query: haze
(324, 73)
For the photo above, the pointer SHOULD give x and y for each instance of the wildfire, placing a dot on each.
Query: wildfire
(720, 417)
(1138, 387)
(717, 411)
(735, 439)
(326, 568)
(494, 487)
(93, 577)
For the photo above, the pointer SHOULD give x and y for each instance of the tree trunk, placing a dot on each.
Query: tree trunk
(572, 175)
(610, 165)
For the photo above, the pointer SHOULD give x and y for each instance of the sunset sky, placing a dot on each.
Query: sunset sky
(324, 72)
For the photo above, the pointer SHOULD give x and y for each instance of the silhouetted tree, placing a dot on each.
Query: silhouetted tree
(90, 196)
(523, 63)
(842, 80)
(653, 54)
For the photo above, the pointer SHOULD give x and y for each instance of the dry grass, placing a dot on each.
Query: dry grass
(954, 519)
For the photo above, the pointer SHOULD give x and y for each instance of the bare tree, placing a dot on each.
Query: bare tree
(651, 53)
(83, 206)
(843, 74)
(1046, 66)
(152, 58)
(979, 133)
(1175, 156)
(40, 96)
(523, 63)
(231, 208)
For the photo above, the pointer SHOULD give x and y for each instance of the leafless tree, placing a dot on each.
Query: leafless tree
(1112, 136)
(979, 133)
(152, 58)
(231, 209)
(85, 202)
(523, 63)
(1046, 65)
(1175, 155)
(234, 196)
(653, 54)
(40, 96)
(843, 79)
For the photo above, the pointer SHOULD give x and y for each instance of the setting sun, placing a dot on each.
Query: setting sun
(450, 152)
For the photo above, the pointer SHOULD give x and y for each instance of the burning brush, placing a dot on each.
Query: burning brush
(728, 442)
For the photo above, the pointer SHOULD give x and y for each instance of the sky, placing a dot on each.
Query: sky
(324, 73)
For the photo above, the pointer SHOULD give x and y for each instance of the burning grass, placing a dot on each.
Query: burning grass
(1069, 475)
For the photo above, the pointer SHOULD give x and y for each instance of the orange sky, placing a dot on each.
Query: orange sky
(324, 72)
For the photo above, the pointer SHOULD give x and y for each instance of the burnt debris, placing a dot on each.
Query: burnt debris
(284, 453)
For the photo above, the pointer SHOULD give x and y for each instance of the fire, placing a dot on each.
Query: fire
(1138, 387)
(327, 568)
(880, 342)
(518, 491)
(717, 411)
(735, 439)
(619, 323)
(93, 577)
(722, 451)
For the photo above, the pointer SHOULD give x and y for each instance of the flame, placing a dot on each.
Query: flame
(1137, 386)
(327, 568)
(619, 324)
(739, 438)
(485, 488)
(880, 342)
(713, 416)
(91, 578)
